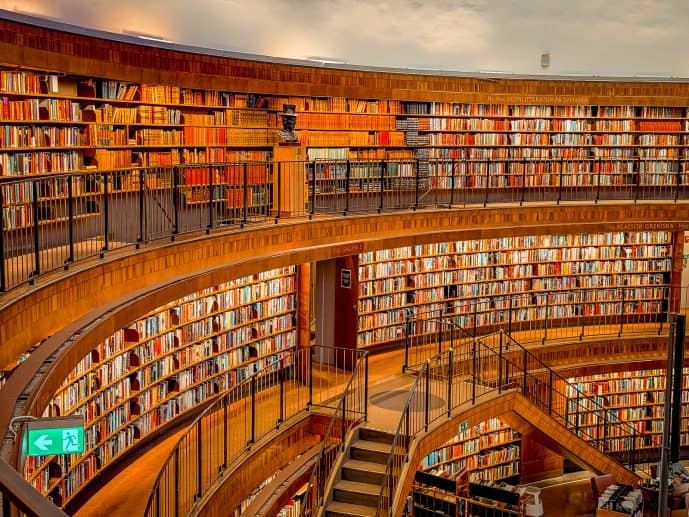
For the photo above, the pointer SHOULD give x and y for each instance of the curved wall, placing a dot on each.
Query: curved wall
(95, 301)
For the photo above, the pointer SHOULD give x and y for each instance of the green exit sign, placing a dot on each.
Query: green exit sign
(60, 435)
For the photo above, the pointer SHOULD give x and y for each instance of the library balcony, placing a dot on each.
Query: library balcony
(421, 258)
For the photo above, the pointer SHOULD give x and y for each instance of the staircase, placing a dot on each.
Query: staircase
(356, 491)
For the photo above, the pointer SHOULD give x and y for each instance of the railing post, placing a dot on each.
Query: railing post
(521, 201)
(3, 285)
(453, 164)
(500, 364)
(525, 373)
(313, 189)
(545, 320)
(310, 361)
(211, 197)
(348, 173)
(253, 409)
(36, 244)
(637, 178)
(366, 388)
(406, 345)
(450, 374)
(199, 461)
(278, 201)
(175, 200)
(344, 420)
(473, 372)
(225, 432)
(245, 206)
(416, 187)
(485, 200)
(600, 163)
(70, 220)
(106, 215)
(621, 314)
(475, 316)
(550, 392)
(281, 379)
(177, 470)
(381, 204)
(583, 320)
(140, 237)
(427, 397)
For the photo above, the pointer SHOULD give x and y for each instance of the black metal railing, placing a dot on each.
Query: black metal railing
(478, 367)
(240, 418)
(55, 220)
(18, 497)
(351, 411)
(565, 315)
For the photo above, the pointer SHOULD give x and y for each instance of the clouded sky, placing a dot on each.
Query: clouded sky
(596, 37)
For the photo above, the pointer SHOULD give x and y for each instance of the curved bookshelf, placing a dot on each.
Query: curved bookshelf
(165, 364)
(516, 282)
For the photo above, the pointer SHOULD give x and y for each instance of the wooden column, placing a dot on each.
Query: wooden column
(289, 180)
(303, 318)
(304, 305)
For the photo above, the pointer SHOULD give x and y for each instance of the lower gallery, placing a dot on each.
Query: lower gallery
(242, 286)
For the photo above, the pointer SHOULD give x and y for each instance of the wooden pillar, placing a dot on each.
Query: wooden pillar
(676, 272)
(304, 305)
(289, 180)
(303, 318)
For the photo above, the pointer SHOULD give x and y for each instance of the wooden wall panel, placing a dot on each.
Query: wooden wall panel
(102, 55)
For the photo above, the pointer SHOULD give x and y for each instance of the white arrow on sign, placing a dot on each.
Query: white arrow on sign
(43, 442)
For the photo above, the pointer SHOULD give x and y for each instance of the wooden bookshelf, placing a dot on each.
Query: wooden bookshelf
(77, 124)
(164, 365)
(635, 397)
(489, 450)
(488, 284)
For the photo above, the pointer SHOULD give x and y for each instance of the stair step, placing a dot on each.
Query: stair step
(339, 509)
(375, 435)
(363, 471)
(366, 450)
(353, 492)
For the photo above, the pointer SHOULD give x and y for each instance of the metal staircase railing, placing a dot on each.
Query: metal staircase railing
(351, 411)
(489, 365)
(237, 421)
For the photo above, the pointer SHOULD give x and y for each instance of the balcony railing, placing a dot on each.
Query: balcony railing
(243, 416)
(53, 221)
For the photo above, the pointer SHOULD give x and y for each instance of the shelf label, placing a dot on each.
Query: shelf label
(60, 435)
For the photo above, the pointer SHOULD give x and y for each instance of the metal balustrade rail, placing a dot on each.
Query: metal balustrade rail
(477, 367)
(351, 411)
(581, 316)
(55, 220)
(18, 497)
(245, 414)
